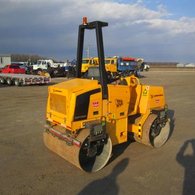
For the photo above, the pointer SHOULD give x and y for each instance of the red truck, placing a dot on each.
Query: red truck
(14, 69)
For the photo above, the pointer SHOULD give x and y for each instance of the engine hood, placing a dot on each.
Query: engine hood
(75, 85)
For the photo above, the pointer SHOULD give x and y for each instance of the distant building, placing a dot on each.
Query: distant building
(4, 60)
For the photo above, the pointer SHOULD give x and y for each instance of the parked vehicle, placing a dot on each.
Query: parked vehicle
(111, 64)
(45, 64)
(127, 66)
(22, 65)
(86, 62)
(117, 66)
(13, 68)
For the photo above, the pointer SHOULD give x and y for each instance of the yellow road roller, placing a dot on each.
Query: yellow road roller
(86, 117)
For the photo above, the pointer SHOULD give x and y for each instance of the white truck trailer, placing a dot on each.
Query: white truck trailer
(23, 79)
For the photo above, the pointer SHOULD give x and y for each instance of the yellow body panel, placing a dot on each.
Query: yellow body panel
(117, 112)
(124, 102)
(64, 95)
(118, 101)
(145, 99)
(117, 130)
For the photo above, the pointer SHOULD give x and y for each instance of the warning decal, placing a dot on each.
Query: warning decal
(95, 104)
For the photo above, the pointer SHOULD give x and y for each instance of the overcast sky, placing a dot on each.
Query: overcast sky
(157, 30)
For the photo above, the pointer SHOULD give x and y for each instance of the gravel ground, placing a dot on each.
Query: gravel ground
(28, 167)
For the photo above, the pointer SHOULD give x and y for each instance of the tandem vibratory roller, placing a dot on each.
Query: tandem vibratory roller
(85, 118)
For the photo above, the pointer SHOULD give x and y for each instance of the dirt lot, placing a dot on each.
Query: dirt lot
(28, 167)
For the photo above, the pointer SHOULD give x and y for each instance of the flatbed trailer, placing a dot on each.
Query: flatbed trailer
(23, 79)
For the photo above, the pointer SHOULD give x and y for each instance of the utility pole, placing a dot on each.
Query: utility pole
(88, 51)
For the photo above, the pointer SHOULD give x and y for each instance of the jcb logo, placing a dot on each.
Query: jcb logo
(118, 102)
